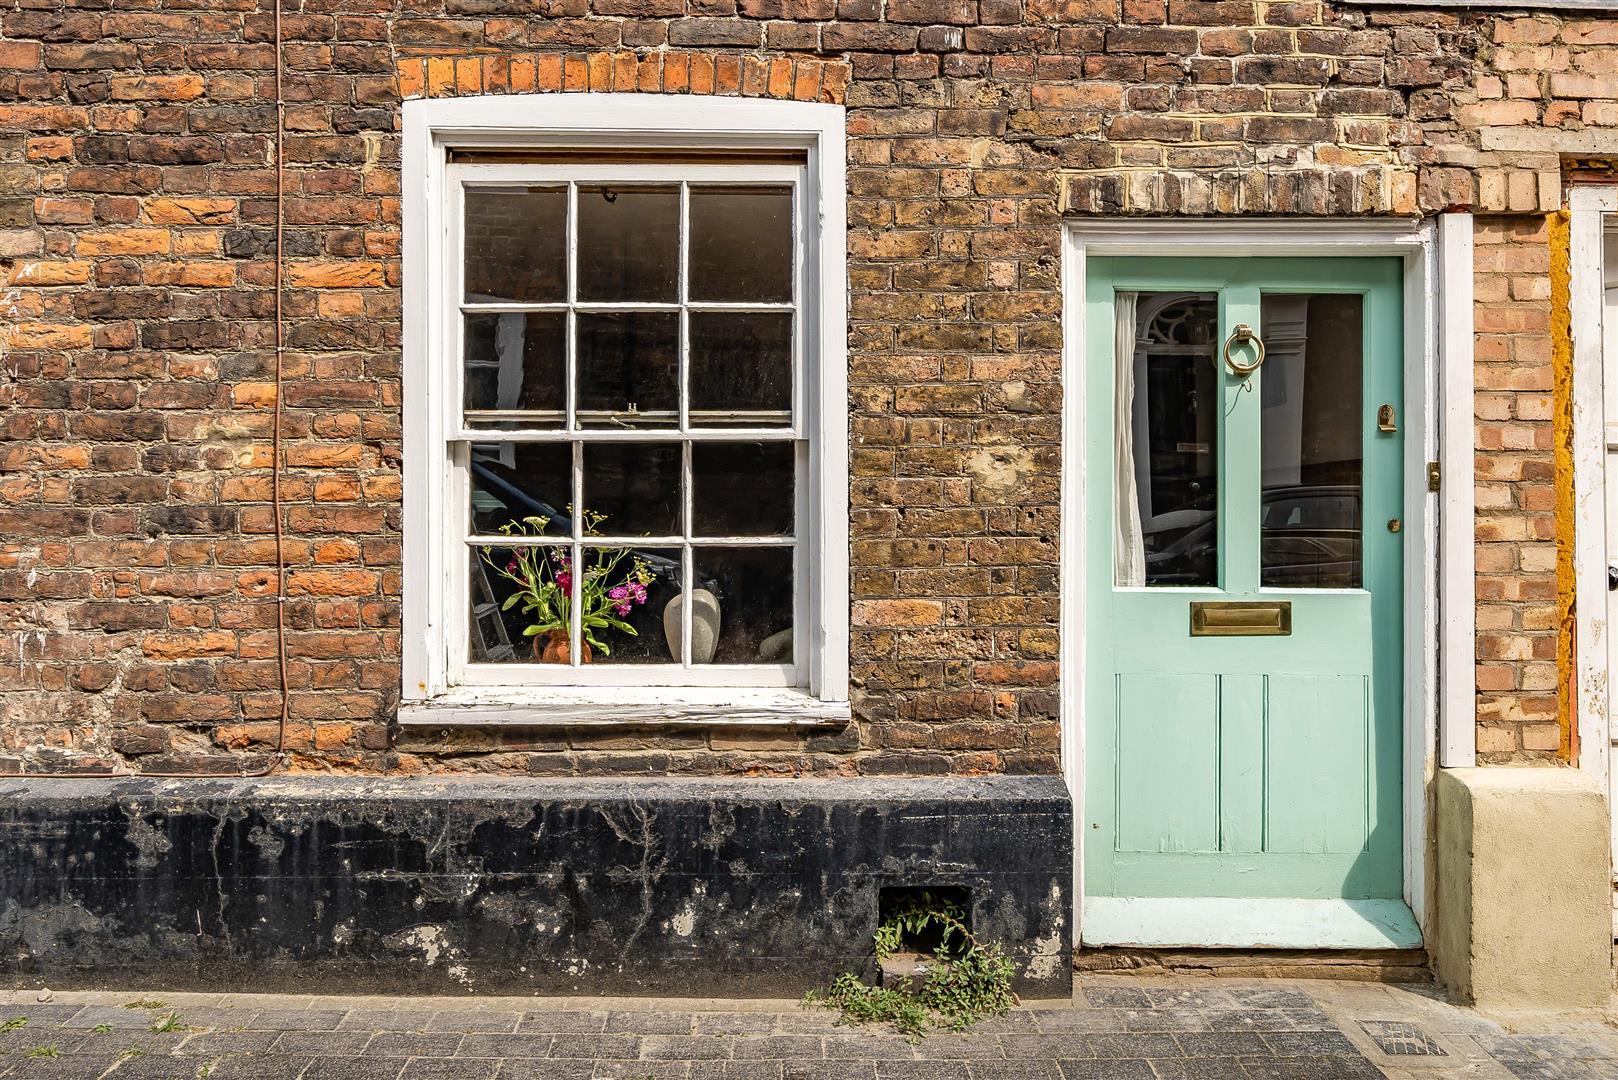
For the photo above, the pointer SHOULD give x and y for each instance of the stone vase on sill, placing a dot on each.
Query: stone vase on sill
(704, 626)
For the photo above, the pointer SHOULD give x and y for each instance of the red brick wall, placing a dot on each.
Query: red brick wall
(136, 213)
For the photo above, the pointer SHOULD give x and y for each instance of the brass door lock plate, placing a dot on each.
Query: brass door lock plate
(1386, 420)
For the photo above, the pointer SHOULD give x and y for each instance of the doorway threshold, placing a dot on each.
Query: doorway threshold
(1248, 923)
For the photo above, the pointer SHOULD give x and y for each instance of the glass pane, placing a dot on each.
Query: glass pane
(629, 369)
(741, 244)
(629, 243)
(516, 366)
(632, 489)
(628, 594)
(751, 591)
(742, 489)
(516, 246)
(522, 488)
(1312, 429)
(513, 592)
(741, 369)
(1166, 438)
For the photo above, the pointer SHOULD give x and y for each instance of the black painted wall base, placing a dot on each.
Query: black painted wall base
(684, 887)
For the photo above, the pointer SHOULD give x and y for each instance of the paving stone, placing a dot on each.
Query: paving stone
(40, 1013)
(64, 1067)
(872, 1046)
(1188, 998)
(563, 1022)
(1199, 1068)
(1222, 1043)
(684, 1047)
(516, 1044)
(610, 1047)
(1269, 997)
(1061, 1044)
(114, 1016)
(229, 1042)
(154, 1067)
(1106, 1070)
(1133, 1045)
(1308, 1043)
(449, 1069)
(298, 1019)
(325, 1043)
(971, 1047)
(386, 1019)
(1053, 1020)
(259, 1067)
(465, 1020)
(1167, 1019)
(1116, 997)
(651, 1023)
(828, 1070)
(795, 1047)
(1011, 1070)
(735, 1023)
(1269, 1020)
(921, 1070)
(1334, 1067)
(642, 1070)
(353, 1068)
(415, 1044)
(735, 1070)
(531, 1069)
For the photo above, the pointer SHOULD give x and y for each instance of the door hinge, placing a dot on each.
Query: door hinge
(1434, 476)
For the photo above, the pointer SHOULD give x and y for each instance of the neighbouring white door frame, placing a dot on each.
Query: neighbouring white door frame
(1590, 206)
(1428, 279)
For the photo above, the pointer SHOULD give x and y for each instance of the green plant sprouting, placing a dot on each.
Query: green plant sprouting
(969, 981)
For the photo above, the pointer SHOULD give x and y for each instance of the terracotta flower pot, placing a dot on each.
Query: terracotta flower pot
(554, 648)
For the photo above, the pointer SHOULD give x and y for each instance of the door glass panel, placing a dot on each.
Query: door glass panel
(1167, 429)
(1312, 437)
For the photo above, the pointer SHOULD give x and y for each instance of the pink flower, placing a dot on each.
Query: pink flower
(511, 567)
(564, 581)
(622, 609)
(638, 592)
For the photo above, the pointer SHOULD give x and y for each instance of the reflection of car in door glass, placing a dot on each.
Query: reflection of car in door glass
(1310, 538)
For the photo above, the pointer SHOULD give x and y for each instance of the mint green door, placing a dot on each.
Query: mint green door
(1249, 751)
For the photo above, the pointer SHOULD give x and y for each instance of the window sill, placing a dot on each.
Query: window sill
(617, 708)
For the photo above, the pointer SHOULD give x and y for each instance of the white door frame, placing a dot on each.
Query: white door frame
(1426, 277)
(1589, 207)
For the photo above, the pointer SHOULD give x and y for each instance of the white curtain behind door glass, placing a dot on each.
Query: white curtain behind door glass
(1128, 547)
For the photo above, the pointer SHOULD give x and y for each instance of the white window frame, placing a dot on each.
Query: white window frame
(439, 689)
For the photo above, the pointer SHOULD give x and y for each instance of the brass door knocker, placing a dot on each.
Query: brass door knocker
(1244, 334)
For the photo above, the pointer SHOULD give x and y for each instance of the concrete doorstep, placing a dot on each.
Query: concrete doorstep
(1114, 1028)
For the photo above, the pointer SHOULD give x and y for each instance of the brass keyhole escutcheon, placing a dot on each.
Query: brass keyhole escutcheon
(1386, 419)
(1394, 525)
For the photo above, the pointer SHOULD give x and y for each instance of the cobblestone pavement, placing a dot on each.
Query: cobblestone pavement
(1116, 1028)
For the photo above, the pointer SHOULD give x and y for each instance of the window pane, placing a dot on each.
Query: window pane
(1166, 439)
(742, 489)
(632, 489)
(513, 483)
(629, 369)
(752, 588)
(628, 593)
(629, 243)
(741, 369)
(741, 244)
(1312, 430)
(516, 246)
(512, 591)
(516, 365)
